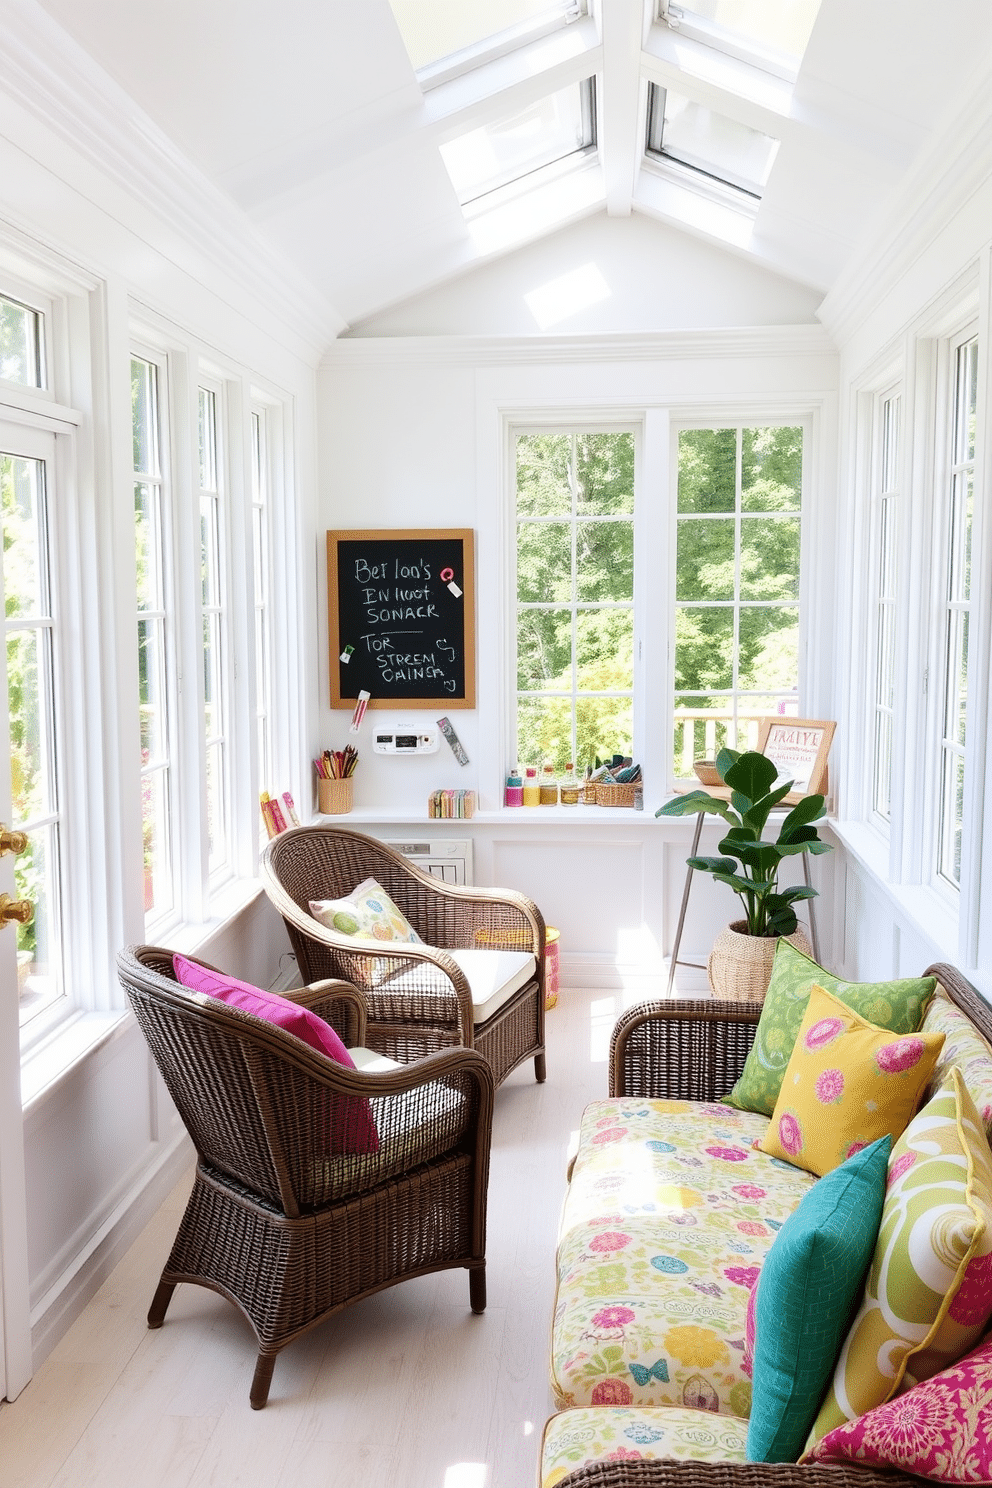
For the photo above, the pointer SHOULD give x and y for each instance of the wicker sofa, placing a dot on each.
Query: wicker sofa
(627, 1416)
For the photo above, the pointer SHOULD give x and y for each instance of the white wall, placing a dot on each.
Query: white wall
(651, 278)
(413, 433)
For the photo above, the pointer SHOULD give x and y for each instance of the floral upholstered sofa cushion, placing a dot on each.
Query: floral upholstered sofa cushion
(670, 1213)
(624, 1434)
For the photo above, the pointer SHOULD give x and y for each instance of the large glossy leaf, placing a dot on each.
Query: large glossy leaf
(760, 811)
(695, 802)
(758, 855)
(798, 891)
(725, 758)
(782, 921)
(753, 775)
(809, 809)
(713, 865)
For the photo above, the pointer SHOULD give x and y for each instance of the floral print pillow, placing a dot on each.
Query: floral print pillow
(941, 1429)
(847, 1084)
(898, 1006)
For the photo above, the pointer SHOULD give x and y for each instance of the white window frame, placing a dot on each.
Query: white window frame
(886, 503)
(570, 427)
(92, 768)
(953, 895)
(502, 44)
(170, 640)
(215, 507)
(261, 547)
(776, 417)
(204, 891)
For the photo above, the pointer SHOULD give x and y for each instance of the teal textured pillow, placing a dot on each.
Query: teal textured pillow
(810, 1284)
(896, 1006)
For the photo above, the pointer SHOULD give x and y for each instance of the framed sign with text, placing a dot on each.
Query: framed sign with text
(798, 747)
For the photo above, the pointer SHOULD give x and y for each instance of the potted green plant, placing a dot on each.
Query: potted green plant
(749, 864)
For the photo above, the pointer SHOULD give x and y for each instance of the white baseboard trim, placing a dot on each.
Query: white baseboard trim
(650, 979)
(60, 1306)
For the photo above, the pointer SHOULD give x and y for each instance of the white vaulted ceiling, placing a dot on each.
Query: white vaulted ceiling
(309, 117)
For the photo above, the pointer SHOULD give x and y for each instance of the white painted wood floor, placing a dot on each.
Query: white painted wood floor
(407, 1389)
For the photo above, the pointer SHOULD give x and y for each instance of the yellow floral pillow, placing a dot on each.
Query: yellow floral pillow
(847, 1083)
(928, 1293)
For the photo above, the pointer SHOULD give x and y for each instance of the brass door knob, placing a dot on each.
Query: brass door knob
(15, 909)
(12, 842)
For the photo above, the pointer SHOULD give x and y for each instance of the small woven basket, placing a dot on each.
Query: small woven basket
(615, 795)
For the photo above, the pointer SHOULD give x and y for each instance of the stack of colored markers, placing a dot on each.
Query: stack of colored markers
(336, 764)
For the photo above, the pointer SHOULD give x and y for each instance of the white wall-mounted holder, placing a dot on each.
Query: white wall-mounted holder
(406, 738)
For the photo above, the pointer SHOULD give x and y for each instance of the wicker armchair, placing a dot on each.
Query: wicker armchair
(695, 1050)
(419, 998)
(316, 1184)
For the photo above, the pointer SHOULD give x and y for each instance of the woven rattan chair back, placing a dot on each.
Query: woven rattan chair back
(316, 1184)
(433, 1009)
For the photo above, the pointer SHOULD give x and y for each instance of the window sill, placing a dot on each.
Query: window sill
(78, 1036)
(227, 902)
(930, 914)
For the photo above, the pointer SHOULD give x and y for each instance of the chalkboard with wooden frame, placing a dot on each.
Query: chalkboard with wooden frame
(401, 617)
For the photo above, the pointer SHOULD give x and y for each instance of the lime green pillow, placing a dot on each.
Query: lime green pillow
(926, 1298)
(897, 1006)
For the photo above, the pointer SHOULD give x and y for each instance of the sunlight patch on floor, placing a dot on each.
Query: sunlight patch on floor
(466, 1475)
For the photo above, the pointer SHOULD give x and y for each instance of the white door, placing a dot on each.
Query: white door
(30, 960)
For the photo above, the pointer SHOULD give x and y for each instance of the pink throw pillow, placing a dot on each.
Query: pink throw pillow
(353, 1127)
(747, 1359)
(939, 1429)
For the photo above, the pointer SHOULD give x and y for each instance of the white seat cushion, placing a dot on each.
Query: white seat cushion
(493, 977)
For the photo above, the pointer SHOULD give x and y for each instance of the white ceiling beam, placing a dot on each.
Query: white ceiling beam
(619, 82)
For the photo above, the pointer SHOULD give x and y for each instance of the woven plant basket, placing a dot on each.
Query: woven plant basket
(615, 795)
(740, 965)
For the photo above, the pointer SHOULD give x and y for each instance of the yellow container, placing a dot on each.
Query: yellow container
(335, 797)
(507, 939)
(552, 965)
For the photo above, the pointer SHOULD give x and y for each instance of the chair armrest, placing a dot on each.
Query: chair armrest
(425, 1111)
(686, 1049)
(457, 915)
(342, 1005)
(643, 1473)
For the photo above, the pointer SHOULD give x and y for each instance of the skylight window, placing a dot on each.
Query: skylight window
(507, 149)
(771, 33)
(439, 32)
(694, 136)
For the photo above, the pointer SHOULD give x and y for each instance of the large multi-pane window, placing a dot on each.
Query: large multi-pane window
(737, 552)
(151, 521)
(214, 628)
(885, 476)
(260, 594)
(956, 611)
(22, 344)
(30, 627)
(574, 596)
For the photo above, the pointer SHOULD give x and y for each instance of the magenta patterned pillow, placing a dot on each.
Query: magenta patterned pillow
(352, 1124)
(940, 1429)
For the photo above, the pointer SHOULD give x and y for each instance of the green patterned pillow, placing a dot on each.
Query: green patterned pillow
(897, 1006)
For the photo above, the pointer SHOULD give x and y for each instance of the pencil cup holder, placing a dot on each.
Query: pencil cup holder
(335, 797)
